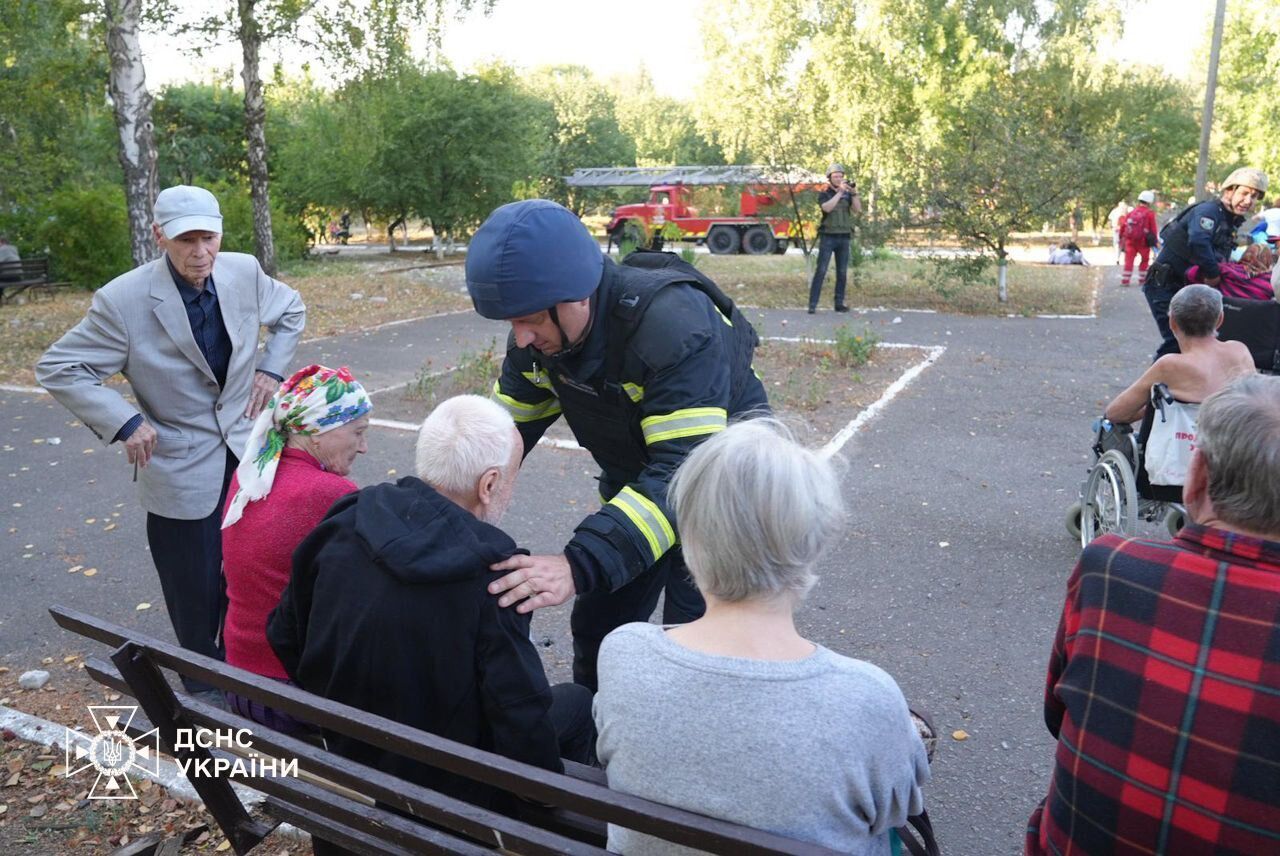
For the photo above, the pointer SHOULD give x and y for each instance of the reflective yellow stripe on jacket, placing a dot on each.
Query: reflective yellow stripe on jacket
(648, 518)
(691, 422)
(522, 412)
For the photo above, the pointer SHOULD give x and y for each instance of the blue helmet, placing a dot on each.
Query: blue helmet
(529, 256)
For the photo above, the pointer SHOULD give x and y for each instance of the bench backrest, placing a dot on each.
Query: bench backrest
(580, 806)
(31, 267)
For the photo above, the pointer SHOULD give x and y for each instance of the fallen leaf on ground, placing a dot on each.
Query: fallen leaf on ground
(75, 569)
(959, 734)
(91, 572)
(142, 606)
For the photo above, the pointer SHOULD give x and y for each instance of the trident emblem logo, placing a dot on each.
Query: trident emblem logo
(112, 752)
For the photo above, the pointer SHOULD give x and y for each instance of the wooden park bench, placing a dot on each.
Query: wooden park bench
(366, 810)
(17, 277)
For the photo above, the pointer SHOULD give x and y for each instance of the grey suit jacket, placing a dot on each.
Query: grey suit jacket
(138, 325)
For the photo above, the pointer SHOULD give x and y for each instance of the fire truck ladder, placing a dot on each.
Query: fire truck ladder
(647, 176)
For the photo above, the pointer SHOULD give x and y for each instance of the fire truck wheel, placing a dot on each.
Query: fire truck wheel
(723, 240)
(757, 241)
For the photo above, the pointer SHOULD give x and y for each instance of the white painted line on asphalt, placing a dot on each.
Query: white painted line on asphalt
(410, 426)
(394, 425)
(1068, 317)
(377, 327)
(933, 352)
(24, 390)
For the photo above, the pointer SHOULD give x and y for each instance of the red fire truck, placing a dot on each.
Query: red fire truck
(767, 207)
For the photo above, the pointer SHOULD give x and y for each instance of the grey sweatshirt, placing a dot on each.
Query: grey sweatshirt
(820, 749)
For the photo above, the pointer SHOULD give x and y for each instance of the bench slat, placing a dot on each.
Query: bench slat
(532, 783)
(331, 831)
(437, 808)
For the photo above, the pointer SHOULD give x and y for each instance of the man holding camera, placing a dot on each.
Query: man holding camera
(839, 202)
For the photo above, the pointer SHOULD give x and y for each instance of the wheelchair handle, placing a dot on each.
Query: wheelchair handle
(1160, 397)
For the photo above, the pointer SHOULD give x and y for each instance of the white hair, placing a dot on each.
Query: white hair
(460, 439)
(756, 510)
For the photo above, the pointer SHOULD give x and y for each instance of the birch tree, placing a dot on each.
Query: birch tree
(255, 134)
(132, 106)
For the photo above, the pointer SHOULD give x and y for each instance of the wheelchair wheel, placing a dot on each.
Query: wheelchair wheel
(1074, 512)
(1110, 502)
(1175, 519)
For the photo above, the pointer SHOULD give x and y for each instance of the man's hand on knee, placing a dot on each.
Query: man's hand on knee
(534, 582)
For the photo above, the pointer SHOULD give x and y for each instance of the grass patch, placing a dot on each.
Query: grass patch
(326, 285)
(782, 282)
(474, 374)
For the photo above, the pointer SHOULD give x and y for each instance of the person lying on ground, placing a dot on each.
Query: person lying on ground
(387, 610)
(1163, 686)
(293, 467)
(784, 735)
(1204, 366)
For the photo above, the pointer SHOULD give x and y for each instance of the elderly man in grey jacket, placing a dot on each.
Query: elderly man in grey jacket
(183, 330)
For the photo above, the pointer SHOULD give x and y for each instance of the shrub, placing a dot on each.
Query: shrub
(86, 233)
(854, 349)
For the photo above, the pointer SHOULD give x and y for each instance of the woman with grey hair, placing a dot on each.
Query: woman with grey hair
(736, 715)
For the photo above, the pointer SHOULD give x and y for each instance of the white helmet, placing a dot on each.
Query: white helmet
(1147, 196)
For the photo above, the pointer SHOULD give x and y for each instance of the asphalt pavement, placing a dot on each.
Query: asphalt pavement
(950, 575)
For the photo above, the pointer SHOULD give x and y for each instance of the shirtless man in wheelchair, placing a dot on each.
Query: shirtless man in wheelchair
(1119, 487)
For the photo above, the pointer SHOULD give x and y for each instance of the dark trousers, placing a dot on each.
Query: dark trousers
(571, 718)
(598, 613)
(188, 558)
(828, 245)
(1158, 297)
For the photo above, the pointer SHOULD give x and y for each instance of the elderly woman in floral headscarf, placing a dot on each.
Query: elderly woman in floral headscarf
(293, 468)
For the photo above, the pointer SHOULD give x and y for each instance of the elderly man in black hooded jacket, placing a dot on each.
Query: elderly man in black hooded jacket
(387, 610)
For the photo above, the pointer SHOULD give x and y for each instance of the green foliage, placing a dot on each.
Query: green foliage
(581, 123)
(290, 234)
(663, 129)
(199, 134)
(55, 126)
(1246, 127)
(86, 232)
(947, 275)
(688, 255)
(474, 375)
(854, 349)
(426, 144)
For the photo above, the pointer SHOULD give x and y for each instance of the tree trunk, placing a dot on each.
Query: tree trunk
(132, 107)
(255, 120)
(1002, 278)
(1210, 89)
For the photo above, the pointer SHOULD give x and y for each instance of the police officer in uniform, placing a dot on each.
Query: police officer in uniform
(683, 370)
(1204, 235)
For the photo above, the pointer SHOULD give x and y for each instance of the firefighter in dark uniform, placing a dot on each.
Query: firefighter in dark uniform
(683, 370)
(1204, 235)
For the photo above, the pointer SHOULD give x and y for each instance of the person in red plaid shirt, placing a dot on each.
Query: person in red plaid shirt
(1164, 682)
